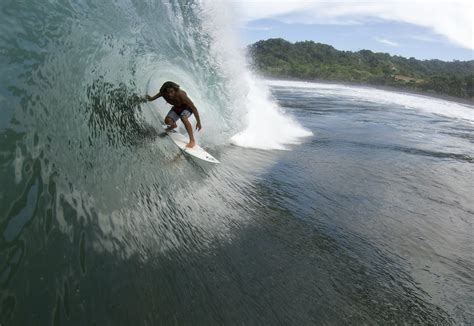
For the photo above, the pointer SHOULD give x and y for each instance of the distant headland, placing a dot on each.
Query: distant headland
(309, 60)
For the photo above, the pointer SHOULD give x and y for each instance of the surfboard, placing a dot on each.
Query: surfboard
(197, 151)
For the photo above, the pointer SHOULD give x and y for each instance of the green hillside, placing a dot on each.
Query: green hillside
(309, 60)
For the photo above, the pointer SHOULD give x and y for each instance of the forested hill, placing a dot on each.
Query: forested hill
(309, 60)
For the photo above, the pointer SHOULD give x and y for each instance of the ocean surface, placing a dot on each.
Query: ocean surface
(332, 204)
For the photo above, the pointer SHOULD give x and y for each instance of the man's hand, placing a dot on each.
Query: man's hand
(151, 98)
(198, 126)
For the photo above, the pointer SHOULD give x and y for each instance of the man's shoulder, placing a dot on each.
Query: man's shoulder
(182, 95)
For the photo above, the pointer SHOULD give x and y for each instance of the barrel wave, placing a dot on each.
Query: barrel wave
(83, 167)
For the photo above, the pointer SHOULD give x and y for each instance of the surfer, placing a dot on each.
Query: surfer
(182, 108)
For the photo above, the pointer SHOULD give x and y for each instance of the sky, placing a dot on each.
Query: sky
(424, 29)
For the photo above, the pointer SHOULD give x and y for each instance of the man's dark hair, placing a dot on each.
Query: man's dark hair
(168, 84)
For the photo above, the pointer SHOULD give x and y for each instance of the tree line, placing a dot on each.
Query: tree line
(309, 60)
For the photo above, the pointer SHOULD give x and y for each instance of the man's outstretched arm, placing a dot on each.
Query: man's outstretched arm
(152, 98)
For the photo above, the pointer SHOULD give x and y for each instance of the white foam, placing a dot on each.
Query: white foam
(409, 101)
(267, 126)
(257, 120)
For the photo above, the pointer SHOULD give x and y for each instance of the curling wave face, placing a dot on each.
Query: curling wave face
(85, 175)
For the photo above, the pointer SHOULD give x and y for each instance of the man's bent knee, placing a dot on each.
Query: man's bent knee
(169, 121)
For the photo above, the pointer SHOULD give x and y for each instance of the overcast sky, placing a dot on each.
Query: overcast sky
(420, 28)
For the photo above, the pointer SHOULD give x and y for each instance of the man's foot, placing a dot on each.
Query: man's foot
(170, 128)
(191, 144)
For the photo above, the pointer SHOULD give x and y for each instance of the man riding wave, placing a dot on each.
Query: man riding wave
(182, 108)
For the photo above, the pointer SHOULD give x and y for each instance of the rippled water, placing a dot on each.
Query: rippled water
(393, 184)
(367, 219)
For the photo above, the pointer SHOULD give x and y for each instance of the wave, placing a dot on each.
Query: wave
(78, 143)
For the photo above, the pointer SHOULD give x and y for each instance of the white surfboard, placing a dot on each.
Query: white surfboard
(197, 151)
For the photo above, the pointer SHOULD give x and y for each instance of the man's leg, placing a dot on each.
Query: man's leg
(189, 129)
(171, 124)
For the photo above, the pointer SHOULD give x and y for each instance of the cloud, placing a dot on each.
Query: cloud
(386, 42)
(450, 18)
(423, 38)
